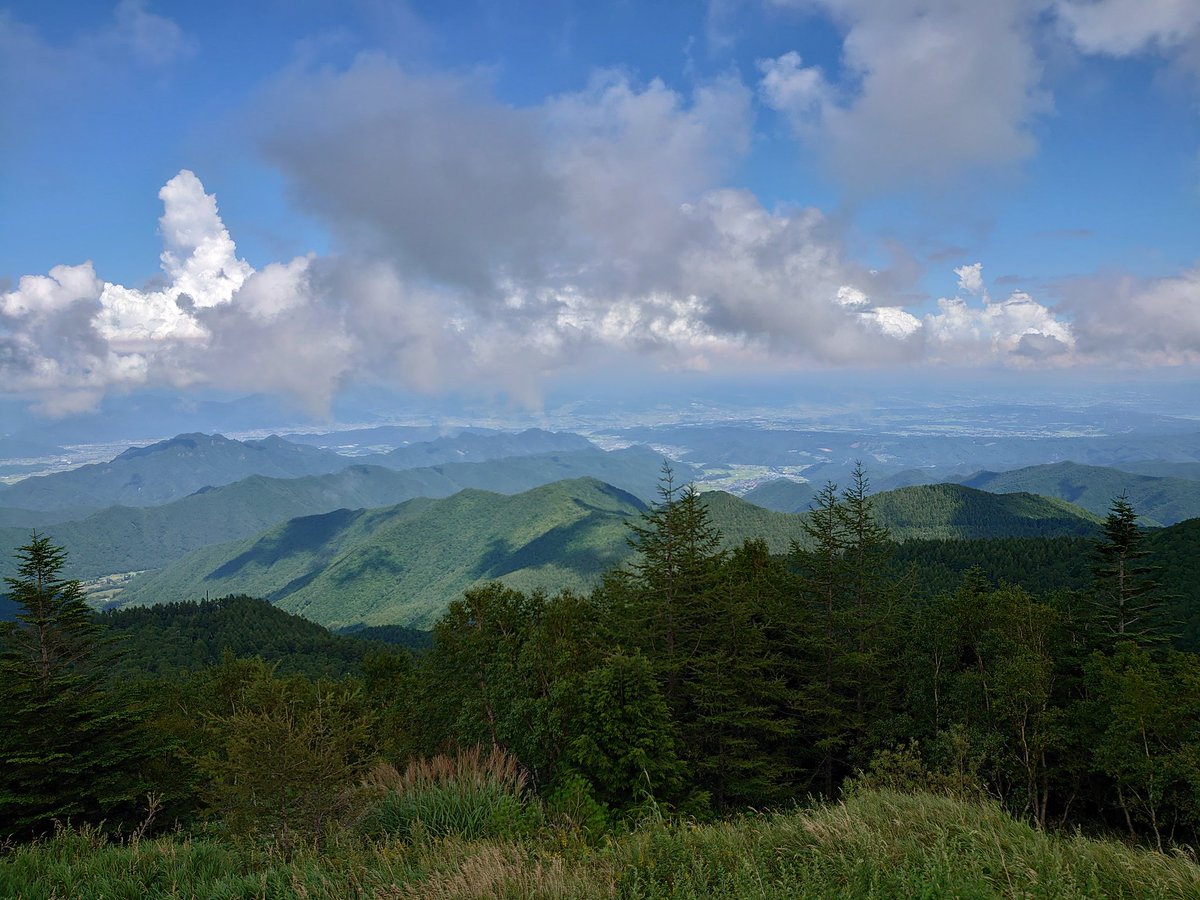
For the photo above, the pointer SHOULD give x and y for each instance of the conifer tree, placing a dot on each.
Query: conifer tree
(69, 750)
(1127, 597)
(673, 576)
(869, 598)
(822, 567)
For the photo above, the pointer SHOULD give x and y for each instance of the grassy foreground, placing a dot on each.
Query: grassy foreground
(876, 844)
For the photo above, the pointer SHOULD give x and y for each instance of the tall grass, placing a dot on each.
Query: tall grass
(877, 844)
(888, 844)
(469, 795)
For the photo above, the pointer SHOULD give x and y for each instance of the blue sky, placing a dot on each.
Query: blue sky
(446, 196)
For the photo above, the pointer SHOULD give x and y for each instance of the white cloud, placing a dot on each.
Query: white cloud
(1017, 329)
(930, 89)
(47, 294)
(790, 87)
(970, 278)
(480, 244)
(893, 321)
(1127, 321)
(1125, 27)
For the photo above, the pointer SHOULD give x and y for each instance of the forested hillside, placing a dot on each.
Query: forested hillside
(176, 638)
(402, 564)
(405, 564)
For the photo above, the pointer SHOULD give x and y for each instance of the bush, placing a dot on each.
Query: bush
(902, 769)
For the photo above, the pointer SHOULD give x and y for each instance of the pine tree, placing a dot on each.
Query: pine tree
(68, 748)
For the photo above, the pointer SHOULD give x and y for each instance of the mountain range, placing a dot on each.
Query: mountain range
(168, 470)
(125, 539)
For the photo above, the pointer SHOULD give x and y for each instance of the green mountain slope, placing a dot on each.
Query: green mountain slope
(121, 539)
(782, 495)
(960, 512)
(406, 563)
(1159, 500)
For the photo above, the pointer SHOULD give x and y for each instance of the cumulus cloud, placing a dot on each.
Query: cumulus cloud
(201, 266)
(1015, 329)
(929, 89)
(970, 278)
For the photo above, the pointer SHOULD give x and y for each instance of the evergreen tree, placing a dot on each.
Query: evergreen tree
(624, 744)
(744, 698)
(69, 749)
(1127, 597)
(824, 703)
(672, 579)
(870, 597)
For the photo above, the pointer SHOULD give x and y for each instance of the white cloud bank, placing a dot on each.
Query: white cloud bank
(488, 247)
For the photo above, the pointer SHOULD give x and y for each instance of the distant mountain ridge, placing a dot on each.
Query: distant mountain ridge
(165, 471)
(1160, 500)
(168, 470)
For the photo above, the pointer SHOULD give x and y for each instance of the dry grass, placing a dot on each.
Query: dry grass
(470, 768)
(510, 871)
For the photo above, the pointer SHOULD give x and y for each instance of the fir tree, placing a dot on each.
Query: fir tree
(69, 750)
(1126, 595)
(671, 581)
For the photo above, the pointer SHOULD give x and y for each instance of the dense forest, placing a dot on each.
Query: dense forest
(1051, 683)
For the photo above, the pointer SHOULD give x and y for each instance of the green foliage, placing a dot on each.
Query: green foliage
(954, 511)
(1162, 500)
(849, 598)
(878, 844)
(883, 844)
(1149, 738)
(503, 672)
(984, 670)
(286, 754)
(903, 769)
(623, 743)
